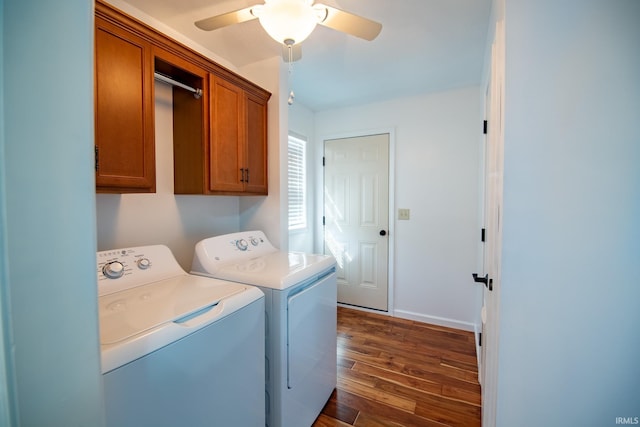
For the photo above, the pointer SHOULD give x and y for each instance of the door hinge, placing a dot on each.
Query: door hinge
(484, 127)
(323, 222)
(96, 157)
(479, 339)
(482, 235)
(323, 161)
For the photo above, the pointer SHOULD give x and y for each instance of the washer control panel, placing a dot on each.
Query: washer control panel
(254, 242)
(121, 269)
(118, 262)
(214, 252)
(249, 241)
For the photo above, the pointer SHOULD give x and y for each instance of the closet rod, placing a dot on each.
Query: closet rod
(197, 93)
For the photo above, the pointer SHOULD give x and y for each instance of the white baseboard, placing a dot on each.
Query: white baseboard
(435, 320)
(368, 310)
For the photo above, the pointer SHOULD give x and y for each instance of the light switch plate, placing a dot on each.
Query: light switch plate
(404, 214)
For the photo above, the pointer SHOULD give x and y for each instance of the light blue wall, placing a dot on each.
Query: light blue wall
(48, 280)
(570, 306)
(7, 411)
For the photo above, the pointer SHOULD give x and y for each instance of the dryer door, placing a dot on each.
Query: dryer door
(311, 336)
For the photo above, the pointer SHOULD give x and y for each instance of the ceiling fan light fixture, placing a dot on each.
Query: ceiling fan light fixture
(287, 19)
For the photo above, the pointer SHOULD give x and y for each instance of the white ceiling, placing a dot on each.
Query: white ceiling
(424, 46)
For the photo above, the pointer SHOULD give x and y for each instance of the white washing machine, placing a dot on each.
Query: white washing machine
(300, 303)
(178, 349)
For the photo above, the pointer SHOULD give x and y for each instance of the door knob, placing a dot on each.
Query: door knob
(488, 283)
(383, 232)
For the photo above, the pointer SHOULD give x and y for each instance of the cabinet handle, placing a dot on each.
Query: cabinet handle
(244, 175)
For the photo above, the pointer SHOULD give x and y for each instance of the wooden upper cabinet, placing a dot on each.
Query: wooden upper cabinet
(124, 117)
(219, 136)
(220, 139)
(227, 133)
(256, 144)
(238, 133)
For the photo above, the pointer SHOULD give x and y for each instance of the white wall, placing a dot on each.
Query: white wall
(302, 125)
(437, 149)
(164, 218)
(48, 286)
(570, 305)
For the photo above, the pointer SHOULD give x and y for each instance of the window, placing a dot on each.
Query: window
(297, 183)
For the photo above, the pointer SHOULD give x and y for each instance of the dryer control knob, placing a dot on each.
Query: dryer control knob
(255, 241)
(242, 244)
(113, 270)
(143, 263)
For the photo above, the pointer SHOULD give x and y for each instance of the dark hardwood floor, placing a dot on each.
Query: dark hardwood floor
(397, 372)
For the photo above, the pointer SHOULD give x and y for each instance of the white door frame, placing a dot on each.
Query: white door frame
(494, 227)
(482, 183)
(392, 217)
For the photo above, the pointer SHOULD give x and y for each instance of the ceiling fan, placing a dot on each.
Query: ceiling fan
(291, 21)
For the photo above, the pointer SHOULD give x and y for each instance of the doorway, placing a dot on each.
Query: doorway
(356, 217)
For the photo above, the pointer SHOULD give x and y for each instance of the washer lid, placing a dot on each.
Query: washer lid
(133, 311)
(277, 270)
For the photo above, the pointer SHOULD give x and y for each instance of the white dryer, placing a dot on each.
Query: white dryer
(300, 303)
(178, 349)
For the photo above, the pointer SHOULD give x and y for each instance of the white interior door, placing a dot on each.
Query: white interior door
(356, 210)
(494, 172)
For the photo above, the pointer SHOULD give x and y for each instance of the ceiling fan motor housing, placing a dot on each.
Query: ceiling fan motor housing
(287, 21)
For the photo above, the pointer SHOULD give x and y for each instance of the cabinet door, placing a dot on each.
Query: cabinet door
(125, 160)
(226, 154)
(256, 145)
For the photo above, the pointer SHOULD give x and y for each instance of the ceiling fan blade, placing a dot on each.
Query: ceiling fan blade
(230, 18)
(296, 52)
(349, 23)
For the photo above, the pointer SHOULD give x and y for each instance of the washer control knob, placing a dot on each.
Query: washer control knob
(143, 263)
(255, 241)
(113, 270)
(242, 244)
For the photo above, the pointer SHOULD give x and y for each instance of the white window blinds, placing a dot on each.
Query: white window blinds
(297, 184)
